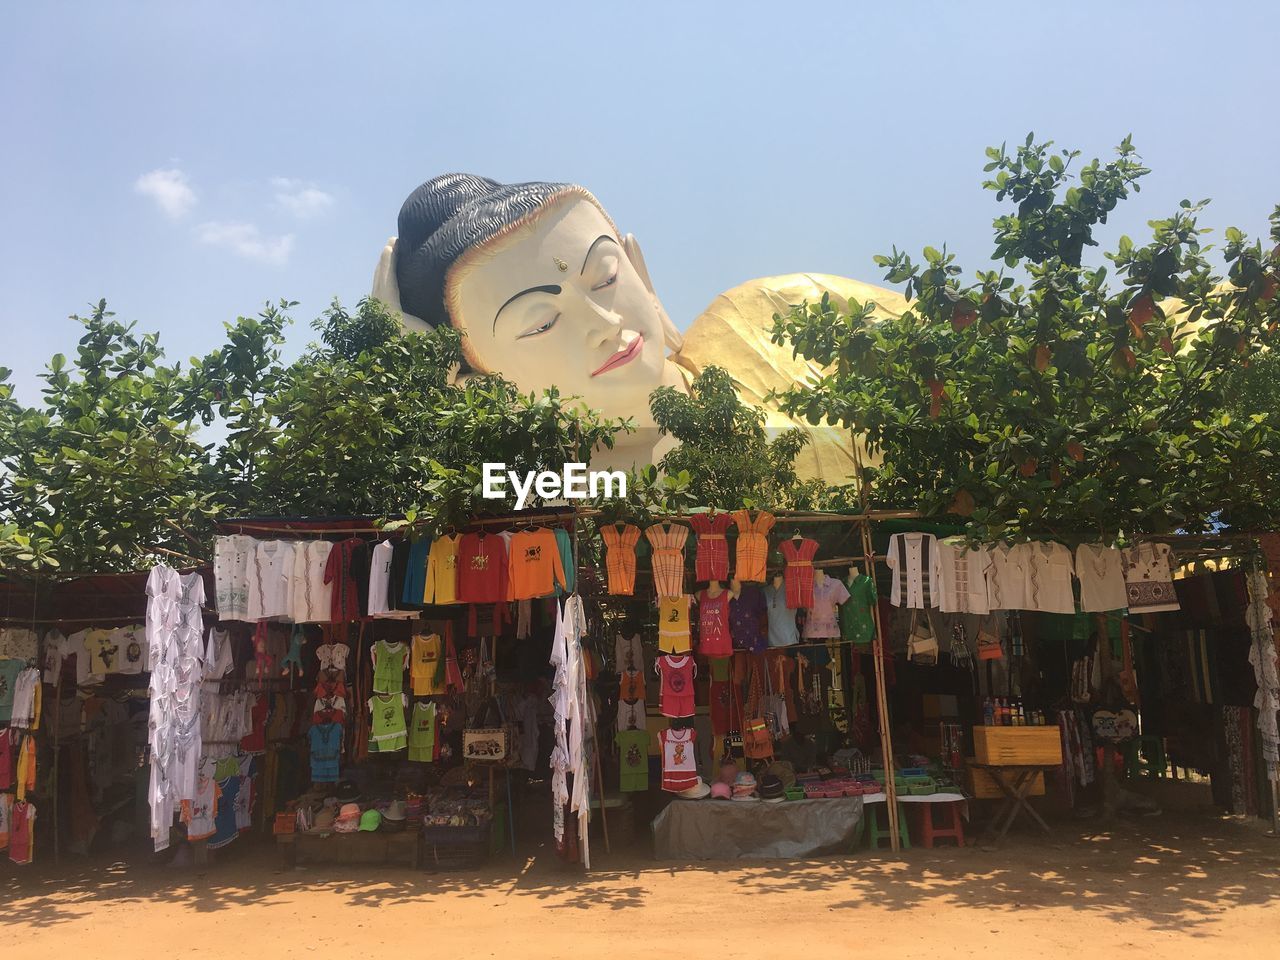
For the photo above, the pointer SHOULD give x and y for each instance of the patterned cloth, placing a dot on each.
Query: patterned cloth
(753, 545)
(711, 562)
(799, 572)
(620, 557)
(668, 557)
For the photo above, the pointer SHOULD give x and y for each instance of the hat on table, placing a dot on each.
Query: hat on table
(370, 820)
(721, 790)
(696, 792)
(771, 789)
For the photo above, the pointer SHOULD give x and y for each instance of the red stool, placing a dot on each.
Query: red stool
(930, 831)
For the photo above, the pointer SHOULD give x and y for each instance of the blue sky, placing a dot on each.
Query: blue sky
(190, 161)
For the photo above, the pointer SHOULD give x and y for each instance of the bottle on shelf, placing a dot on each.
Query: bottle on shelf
(988, 713)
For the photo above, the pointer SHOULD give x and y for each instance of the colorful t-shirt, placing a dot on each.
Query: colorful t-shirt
(673, 624)
(633, 760)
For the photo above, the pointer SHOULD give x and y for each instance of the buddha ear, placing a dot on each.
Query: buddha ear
(670, 335)
(387, 289)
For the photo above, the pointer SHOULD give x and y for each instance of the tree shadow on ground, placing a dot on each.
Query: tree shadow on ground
(1177, 872)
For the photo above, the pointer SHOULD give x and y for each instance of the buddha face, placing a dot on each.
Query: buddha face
(559, 302)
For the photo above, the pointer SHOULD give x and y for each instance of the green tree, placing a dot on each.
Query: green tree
(109, 470)
(724, 451)
(1070, 404)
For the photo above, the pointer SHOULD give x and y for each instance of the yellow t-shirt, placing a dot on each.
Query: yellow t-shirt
(425, 674)
(442, 571)
(673, 624)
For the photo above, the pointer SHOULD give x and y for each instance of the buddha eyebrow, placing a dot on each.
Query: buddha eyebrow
(551, 288)
(603, 236)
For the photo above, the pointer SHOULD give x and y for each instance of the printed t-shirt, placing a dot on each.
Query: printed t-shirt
(388, 666)
(632, 715)
(827, 594)
(482, 568)
(387, 730)
(633, 760)
(201, 809)
(673, 624)
(132, 653)
(749, 619)
(679, 760)
(426, 673)
(422, 734)
(442, 571)
(713, 624)
(533, 566)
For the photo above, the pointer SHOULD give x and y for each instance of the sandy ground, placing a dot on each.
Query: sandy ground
(1197, 885)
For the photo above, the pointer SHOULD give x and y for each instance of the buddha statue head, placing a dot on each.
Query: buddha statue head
(539, 283)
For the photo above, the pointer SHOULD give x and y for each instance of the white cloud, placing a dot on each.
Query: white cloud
(246, 240)
(169, 189)
(303, 200)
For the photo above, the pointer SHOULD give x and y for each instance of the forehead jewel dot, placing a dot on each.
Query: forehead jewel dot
(560, 264)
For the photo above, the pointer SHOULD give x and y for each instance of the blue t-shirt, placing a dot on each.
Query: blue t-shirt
(782, 619)
(326, 747)
(415, 577)
(224, 821)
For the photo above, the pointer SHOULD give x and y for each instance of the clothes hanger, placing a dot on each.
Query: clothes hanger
(797, 535)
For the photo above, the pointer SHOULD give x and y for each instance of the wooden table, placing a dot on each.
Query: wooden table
(358, 847)
(1015, 782)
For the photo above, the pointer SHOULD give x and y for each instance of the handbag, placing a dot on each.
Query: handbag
(989, 643)
(490, 740)
(756, 742)
(922, 644)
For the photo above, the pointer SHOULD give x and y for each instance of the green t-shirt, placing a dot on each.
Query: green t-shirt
(422, 733)
(387, 730)
(857, 625)
(633, 760)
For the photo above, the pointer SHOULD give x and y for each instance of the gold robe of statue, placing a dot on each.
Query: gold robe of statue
(734, 332)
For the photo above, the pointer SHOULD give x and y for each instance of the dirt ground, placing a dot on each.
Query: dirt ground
(1191, 883)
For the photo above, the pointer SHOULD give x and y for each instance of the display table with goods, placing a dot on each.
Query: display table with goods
(343, 829)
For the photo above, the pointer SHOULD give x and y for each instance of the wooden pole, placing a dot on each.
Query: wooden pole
(877, 656)
(882, 698)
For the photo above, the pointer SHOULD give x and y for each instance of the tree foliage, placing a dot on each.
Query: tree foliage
(1082, 402)
(724, 451)
(113, 468)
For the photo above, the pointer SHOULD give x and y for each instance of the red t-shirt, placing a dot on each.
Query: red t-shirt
(482, 568)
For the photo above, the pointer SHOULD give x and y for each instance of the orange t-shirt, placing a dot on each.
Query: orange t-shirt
(533, 565)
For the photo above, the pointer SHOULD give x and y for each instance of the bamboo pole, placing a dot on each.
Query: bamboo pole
(877, 653)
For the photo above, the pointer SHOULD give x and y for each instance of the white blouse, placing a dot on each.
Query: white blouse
(231, 563)
(1006, 577)
(1048, 569)
(310, 597)
(1101, 573)
(270, 579)
(963, 575)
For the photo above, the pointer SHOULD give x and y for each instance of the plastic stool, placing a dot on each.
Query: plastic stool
(876, 833)
(930, 831)
(1144, 755)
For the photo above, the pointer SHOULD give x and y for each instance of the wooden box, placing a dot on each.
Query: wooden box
(1031, 746)
(983, 787)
